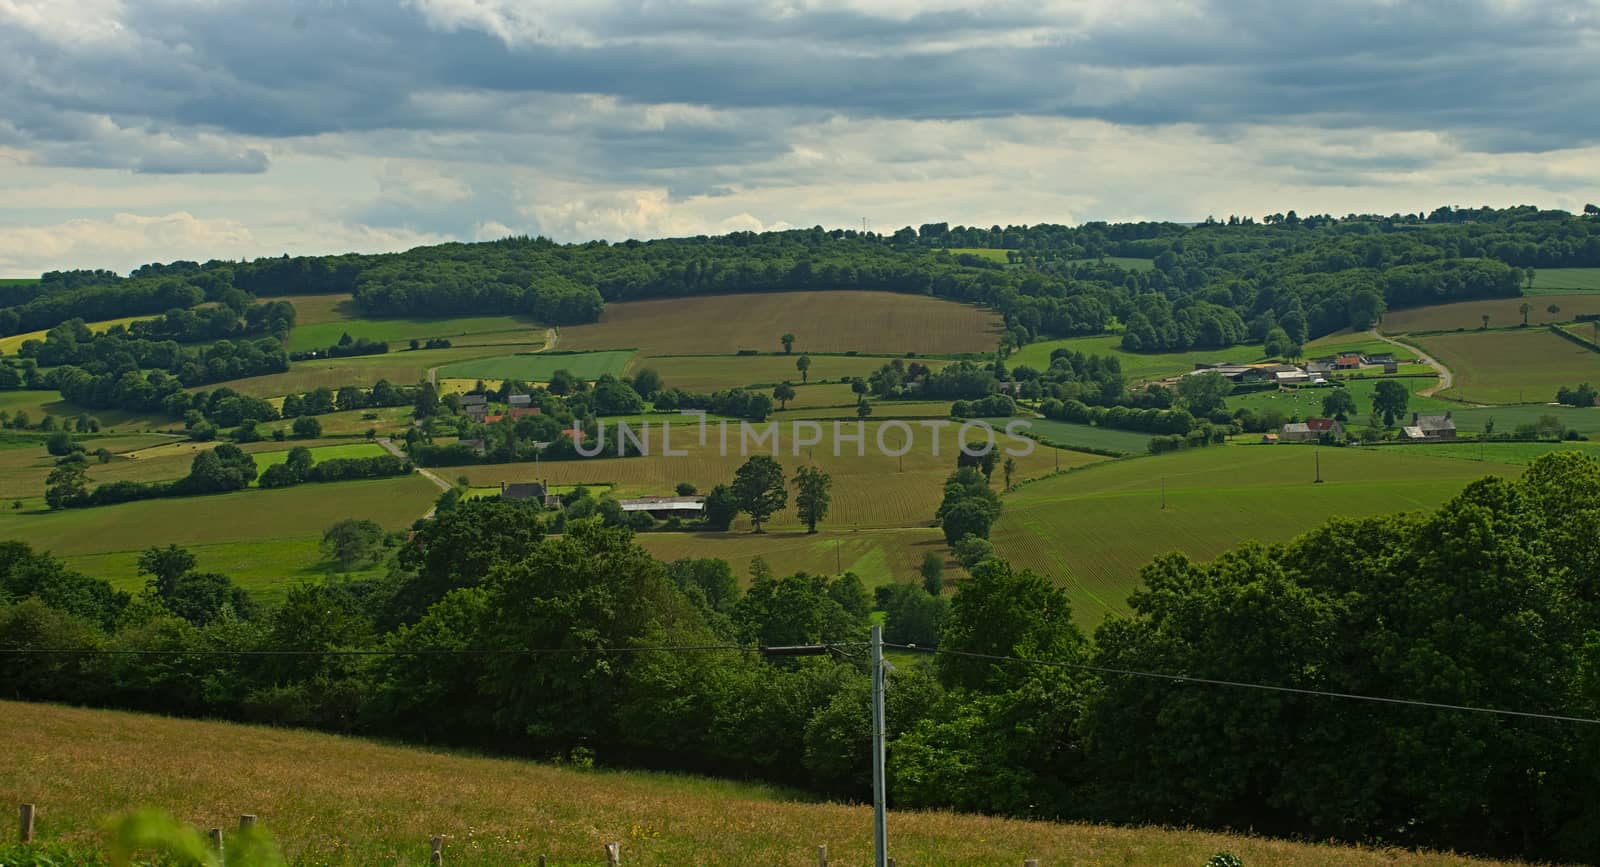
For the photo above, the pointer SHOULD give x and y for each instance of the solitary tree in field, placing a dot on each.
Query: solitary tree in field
(1485, 320)
(1529, 277)
(1553, 309)
(1389, 399)
(1525, 309)
(783, 394)
(863, 409)
(859, 386)
(758, 488)
(803, 364)
(788, 343)
(812, 497)
(1010, 469)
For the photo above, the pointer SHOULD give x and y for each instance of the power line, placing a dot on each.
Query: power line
(515, 651)
(1210, 681)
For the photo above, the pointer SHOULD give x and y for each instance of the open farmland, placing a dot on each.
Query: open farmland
(1127, 263)
(917, 409)
(267, 568)
(821, 321)
(1521, 366)
(1515, 454)
(1502, 312)
(1083, 436)
(353, 422)
(243, 516)
(989, 253)
(1555, 281)
(172, 460)
(1135, 365)
(25, 464)
(1362, 342)
(37, 404)
(876, 556)
(868, 491)
(342, 801)
(319, 323)
(1507, 418)
(10, 345)
(1091, 531)
(538, 367)
(1306, 402)
(400, 368)
(704, 373)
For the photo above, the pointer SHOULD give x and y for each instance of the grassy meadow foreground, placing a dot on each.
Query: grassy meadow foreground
(340, 801)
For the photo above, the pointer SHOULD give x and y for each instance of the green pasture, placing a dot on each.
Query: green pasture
(244, 516)
(1517, 366)
(1127, 263)
(540, 366)
(1135, 365)
(1082, 436)
(1306, 402)
(1507, 418)
(399, 368)
(1517, 454)
(397, 332)
(266, 568)
(1556, 281)
(1362, 342)
(980, 253)
(1093, 529)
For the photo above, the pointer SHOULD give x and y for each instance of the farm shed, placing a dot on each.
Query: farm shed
(665, 507)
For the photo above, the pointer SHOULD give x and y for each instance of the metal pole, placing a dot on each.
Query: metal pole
(880, 834)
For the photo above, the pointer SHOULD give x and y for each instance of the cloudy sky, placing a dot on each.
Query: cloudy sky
(150, 130)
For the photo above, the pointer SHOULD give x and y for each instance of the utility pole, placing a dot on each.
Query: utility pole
(1319, 465)
(880, 826)
(1163, 493)
(838, 560)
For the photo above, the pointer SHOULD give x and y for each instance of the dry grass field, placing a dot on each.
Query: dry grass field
(714, 372)
(869, 491)
(821, 321)
(400, 368)
(875, 556)
(342, 801)
(10, 345)
(1502, 312)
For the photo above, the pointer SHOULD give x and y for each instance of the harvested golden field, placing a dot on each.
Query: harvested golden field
(342, 801)
(714, 372)
(821, 321)
(1502, 312)
(400, 368)
(870, 490)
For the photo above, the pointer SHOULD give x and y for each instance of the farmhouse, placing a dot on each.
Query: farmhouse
(514, 413)
(523, 491)
(1319, 368)
(1429, 428)
(1347, 361)
(476, 406)
(1311, 430)
(665, 507)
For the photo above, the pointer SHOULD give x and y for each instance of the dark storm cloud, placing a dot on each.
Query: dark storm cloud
(1494, 75)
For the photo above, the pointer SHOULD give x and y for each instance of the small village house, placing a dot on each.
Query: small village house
(1429, 428)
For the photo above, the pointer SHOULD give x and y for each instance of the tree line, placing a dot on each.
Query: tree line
(1488, 601)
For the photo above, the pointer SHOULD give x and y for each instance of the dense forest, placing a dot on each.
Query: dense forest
(1214, 283)
(1497, 609)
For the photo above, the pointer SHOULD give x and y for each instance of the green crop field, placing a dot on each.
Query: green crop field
(463, 330)
(1521, 366)
(539, 367)
(386, 420)
(245, 516)
(1135, 365)
(343, 801)
(1306, 402)
(703, 373)
(882, 409)
(1555, 281)
(1364, 343)
(981, 253)
(1092, 530)
(876, 556)
(1502, 312)
(1507, 418)
(869, 491)
(1085, 436)
(267, 568)
(821, 321)
(1517, 454)
(1128, 263)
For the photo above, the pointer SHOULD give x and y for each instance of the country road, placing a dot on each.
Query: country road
(1445, 378)
(393, 449)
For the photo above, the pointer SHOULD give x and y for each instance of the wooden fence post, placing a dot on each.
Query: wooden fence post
(25, 822)
(613, 855)
(437, 859)
(541, 861)
(247, 821)
(1031, 862)
(822, 855)
(216, 842)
